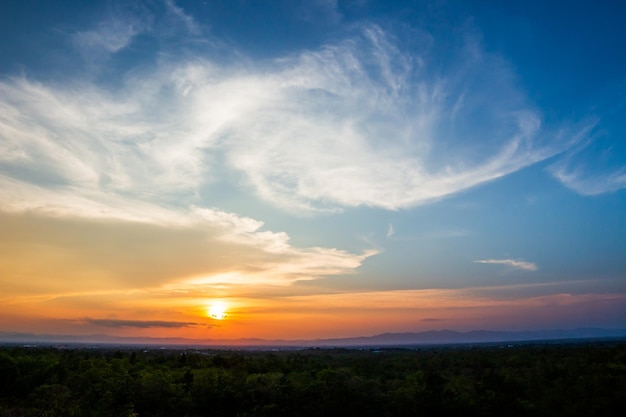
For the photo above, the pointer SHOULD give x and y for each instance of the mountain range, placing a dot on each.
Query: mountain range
(435, 337)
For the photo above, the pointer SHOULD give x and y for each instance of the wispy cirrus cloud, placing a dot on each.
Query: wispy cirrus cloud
(515, 263)
(162, 21)
(590, 184)
(283, 263)
(597, 164)
(356, 123)
(379, 130)
(594, 167)
(179, 14)
(110, 36)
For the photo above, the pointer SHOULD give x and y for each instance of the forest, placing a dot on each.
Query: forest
(582, 379)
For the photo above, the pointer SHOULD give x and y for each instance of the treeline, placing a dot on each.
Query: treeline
(551, 380)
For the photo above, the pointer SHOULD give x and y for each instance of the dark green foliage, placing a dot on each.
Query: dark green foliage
(550, 380)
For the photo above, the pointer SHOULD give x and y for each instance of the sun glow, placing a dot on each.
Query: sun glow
(217, 310)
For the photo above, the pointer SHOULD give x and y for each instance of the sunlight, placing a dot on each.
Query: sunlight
(217, 310)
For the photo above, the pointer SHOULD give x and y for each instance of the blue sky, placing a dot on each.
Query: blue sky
(370, 157)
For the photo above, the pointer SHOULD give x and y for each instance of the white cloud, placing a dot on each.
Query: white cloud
(73, 201)
(590, 184)
(291, 263)
(263, 257)
(356, 123)
(390, 231)
(178, 13)
(84, 137)
(591, 168)
(527, 266)
(221, 248)
(595, 166)
(111, 35)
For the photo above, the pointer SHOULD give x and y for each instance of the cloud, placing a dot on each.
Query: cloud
(357, 313)
(390, 231)
(596, 164)
(284, 263)
(141, 324)
(163, 21)
(594, 167)
(60, 266)
(110, 36)
(441, 302)
(179, 14)
(198, 254)
(590, 184)
(360, 122)
(526, 266)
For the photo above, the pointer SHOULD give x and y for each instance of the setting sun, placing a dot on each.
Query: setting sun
(217, 310)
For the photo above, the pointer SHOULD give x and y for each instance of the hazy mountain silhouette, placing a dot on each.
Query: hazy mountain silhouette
(385, 339)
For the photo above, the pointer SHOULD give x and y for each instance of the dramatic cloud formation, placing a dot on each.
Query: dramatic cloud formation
(355, 123)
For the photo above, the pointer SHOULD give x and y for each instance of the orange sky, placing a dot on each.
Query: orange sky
(84, 277)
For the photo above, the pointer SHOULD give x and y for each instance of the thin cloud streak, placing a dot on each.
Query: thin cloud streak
(592, 167)
(392, 310)
(428, 300)
(590, 185)
(526, 266)
(141, 324)
(111, 36)
(179, 14)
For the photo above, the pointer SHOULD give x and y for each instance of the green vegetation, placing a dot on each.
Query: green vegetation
(538, 380)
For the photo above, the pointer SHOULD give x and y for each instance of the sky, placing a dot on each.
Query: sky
(311, 169)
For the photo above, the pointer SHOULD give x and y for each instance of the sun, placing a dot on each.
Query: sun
(217, 310)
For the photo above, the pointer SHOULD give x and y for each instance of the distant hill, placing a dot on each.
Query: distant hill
(386, 339)
(474, 336)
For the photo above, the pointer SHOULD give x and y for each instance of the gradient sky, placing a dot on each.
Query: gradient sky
(321, 168)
